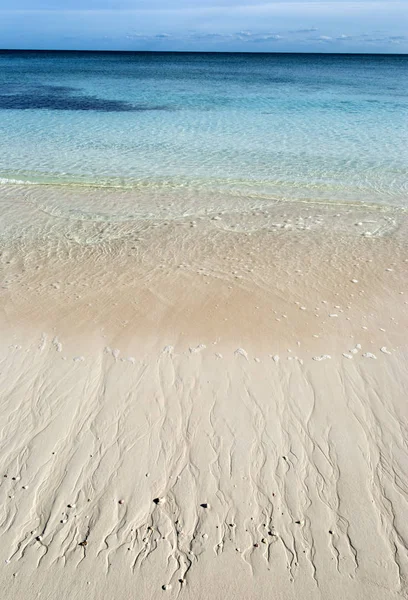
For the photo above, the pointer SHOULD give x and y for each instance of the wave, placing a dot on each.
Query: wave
(260, 191)
(6, 180)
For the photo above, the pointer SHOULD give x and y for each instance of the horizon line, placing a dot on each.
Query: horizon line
(113, 51)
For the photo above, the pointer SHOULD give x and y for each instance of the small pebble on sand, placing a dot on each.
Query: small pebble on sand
(159, 500)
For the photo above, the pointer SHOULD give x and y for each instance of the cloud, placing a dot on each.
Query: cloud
(267, 38)
(311, 30)
(245, 33)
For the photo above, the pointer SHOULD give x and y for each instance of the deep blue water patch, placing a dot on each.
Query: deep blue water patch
(59, 97)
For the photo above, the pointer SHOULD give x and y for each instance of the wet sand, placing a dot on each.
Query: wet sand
(204, 406)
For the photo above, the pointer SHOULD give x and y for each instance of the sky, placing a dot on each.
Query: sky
(206, 25)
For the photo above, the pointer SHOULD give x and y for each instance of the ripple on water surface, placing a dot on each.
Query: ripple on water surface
(300, 127)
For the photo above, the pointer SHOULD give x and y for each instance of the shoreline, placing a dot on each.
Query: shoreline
(287, 267)
(188, 199)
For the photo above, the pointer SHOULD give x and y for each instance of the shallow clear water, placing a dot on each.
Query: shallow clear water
(332, 128)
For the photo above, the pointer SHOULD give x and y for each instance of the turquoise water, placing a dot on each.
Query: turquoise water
(331, 128)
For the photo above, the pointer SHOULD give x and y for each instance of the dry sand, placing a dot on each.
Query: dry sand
(205, 407)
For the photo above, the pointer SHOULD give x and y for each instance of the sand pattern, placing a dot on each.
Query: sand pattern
(266, 463)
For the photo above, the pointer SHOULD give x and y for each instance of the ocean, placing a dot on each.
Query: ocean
(264, 127)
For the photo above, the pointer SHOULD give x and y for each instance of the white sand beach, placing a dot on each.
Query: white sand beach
(195, 409)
